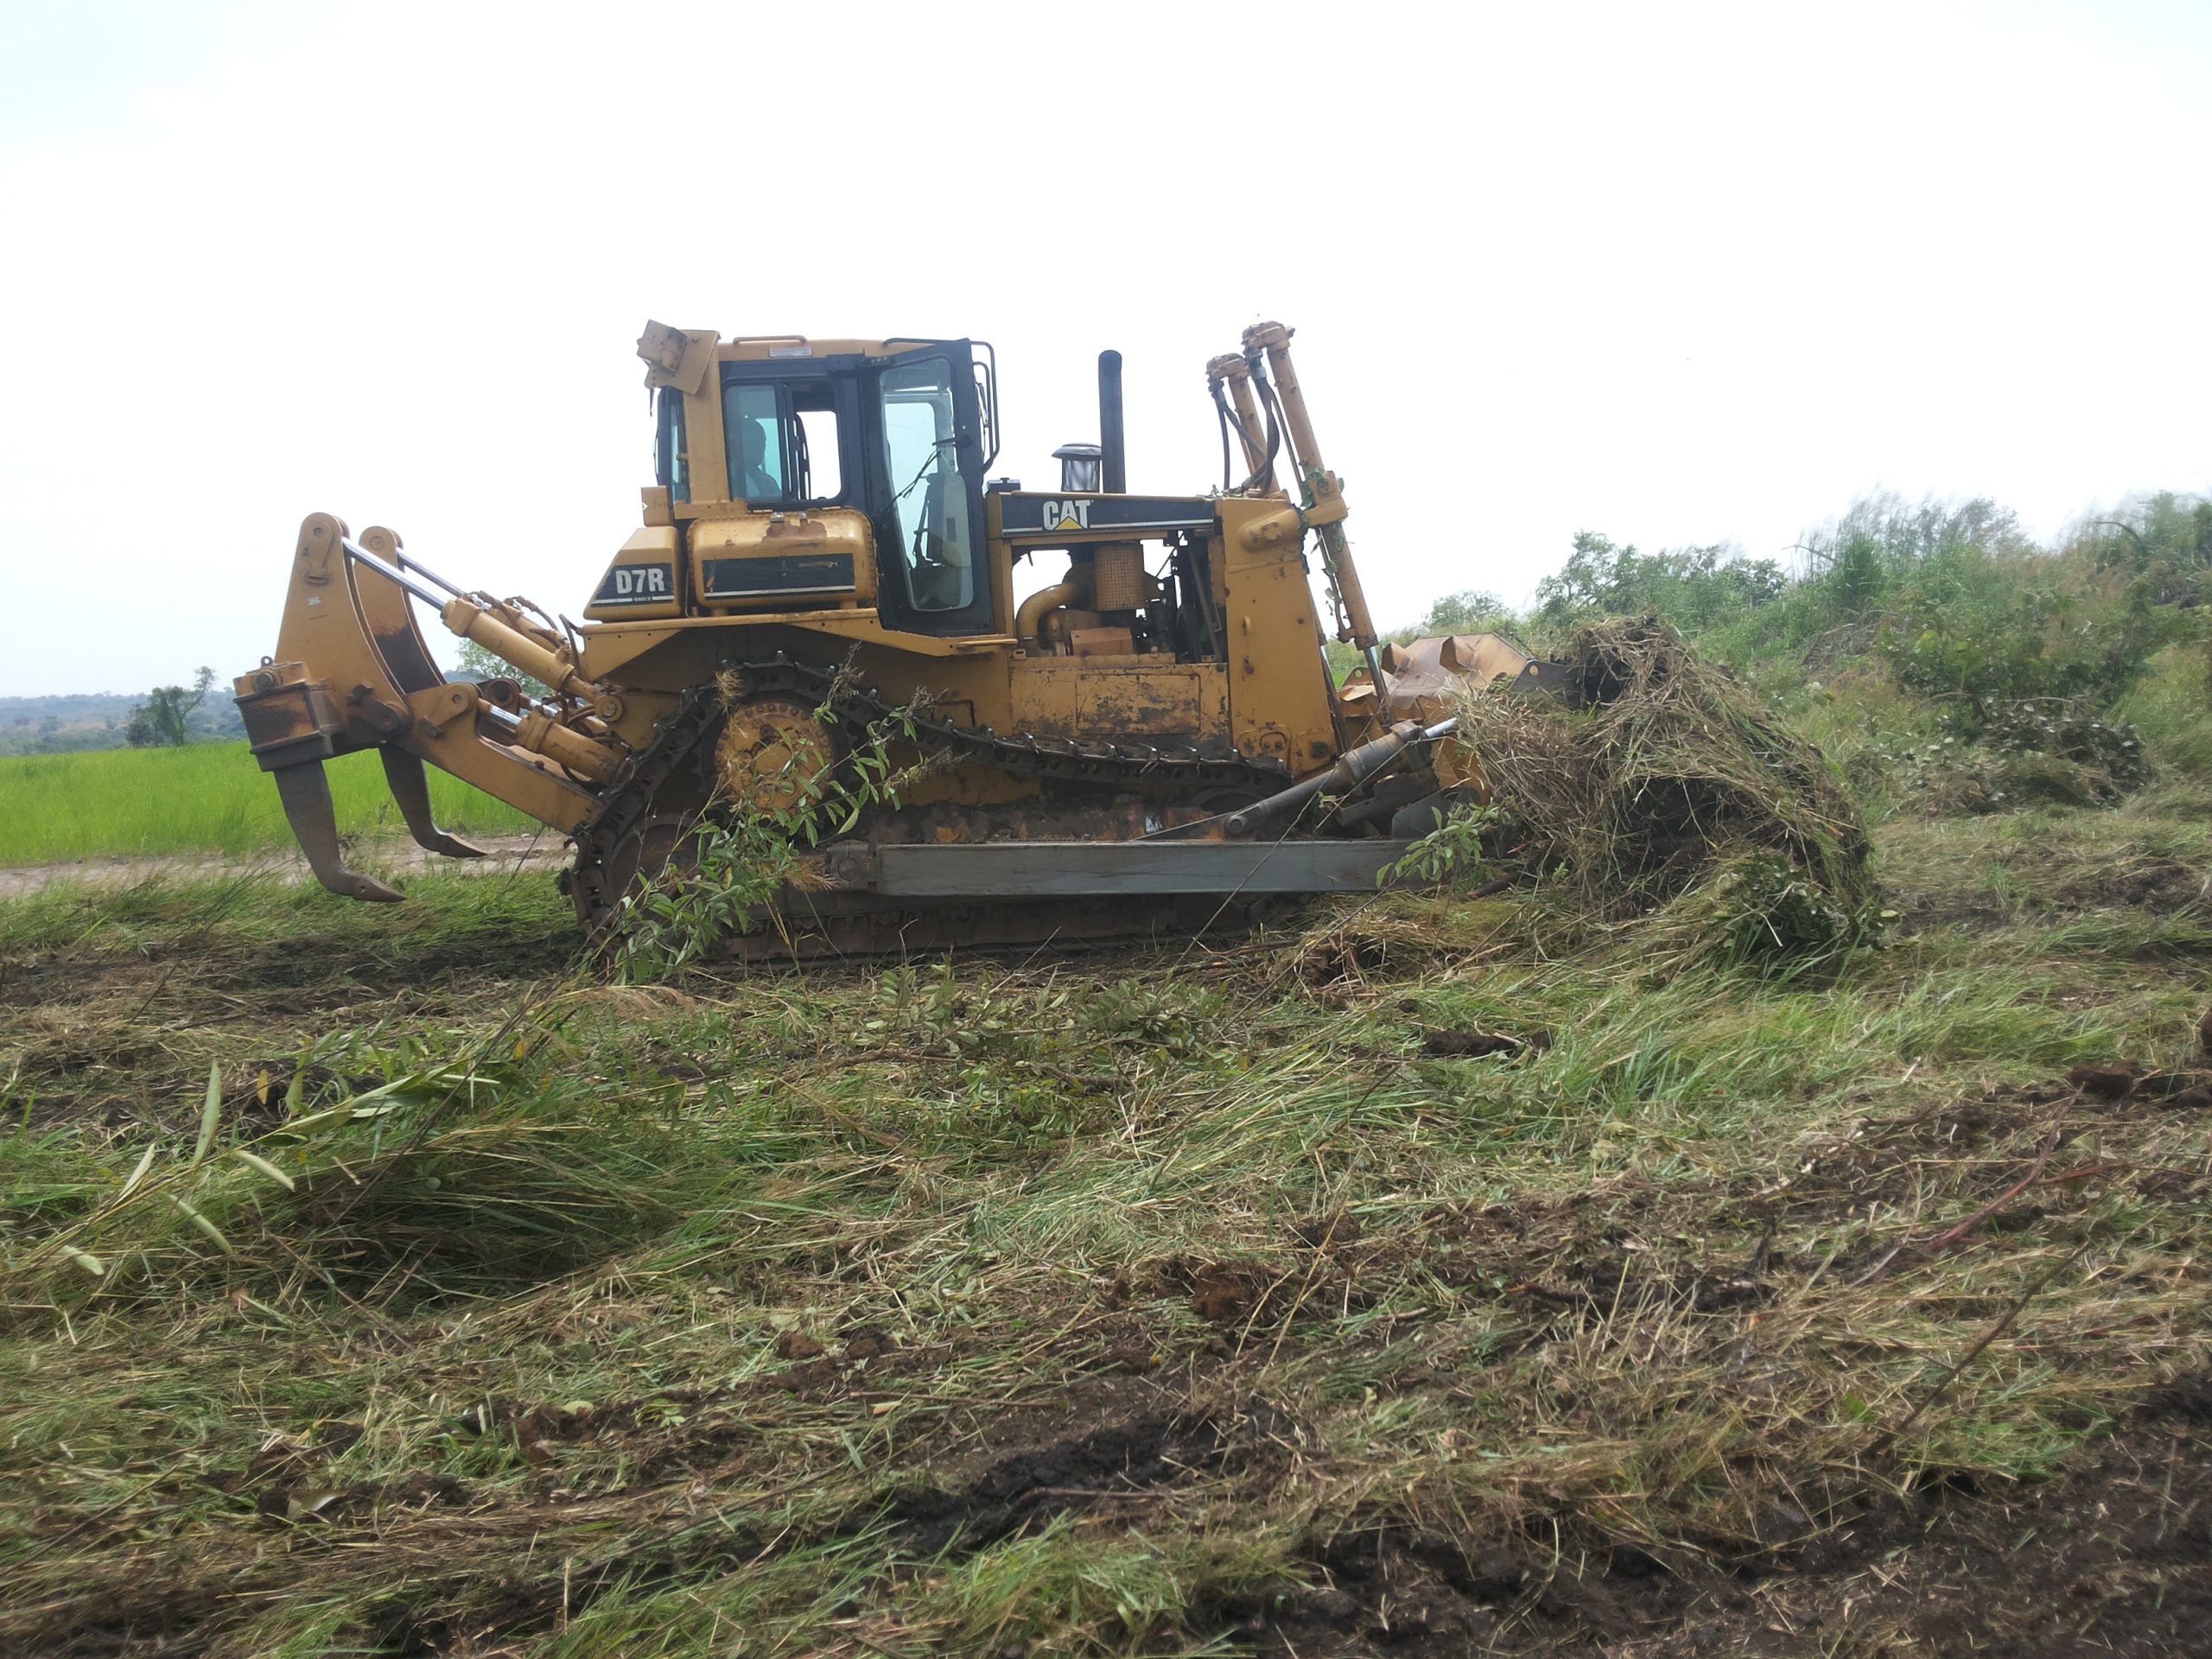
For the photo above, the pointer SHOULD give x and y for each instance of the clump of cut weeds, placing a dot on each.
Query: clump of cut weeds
(1670, 789)
(1761, 909)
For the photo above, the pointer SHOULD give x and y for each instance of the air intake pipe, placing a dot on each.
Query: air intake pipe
(1074, 588)
(1113, 453)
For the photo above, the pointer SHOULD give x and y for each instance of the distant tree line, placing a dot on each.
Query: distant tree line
(103, 720)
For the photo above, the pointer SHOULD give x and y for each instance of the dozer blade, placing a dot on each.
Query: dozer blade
(306, 793)
(410, 787)
(1016, 871)
(1426, 675)
(1425, 678)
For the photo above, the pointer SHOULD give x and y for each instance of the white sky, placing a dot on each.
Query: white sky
(1683, 273)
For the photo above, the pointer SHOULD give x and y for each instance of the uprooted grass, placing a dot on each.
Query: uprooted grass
(1115, 1305)
(1669, 764)
(1671, 788)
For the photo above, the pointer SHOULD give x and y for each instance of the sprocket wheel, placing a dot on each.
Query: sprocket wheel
(774, 755)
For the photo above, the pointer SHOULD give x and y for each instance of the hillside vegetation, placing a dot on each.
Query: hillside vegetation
(1505, 1268)
(1935, 651)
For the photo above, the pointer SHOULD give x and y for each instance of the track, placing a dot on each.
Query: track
(632, 832)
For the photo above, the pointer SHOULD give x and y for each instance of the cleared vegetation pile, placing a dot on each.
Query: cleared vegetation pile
(1670, 785)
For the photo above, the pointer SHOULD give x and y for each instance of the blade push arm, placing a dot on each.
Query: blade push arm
(1321, 496)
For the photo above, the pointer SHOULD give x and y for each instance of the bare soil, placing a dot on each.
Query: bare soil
(2113, 1557)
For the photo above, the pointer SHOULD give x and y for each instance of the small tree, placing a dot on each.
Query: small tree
(1469, 611)
(158, 723)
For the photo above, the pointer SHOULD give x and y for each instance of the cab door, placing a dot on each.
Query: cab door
(926, 464)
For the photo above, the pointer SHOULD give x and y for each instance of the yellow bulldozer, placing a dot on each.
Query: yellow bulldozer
(1151, 742)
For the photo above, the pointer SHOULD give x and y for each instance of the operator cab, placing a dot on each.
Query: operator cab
(866, 458)
(796, 479)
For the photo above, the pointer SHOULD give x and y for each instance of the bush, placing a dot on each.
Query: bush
(1977, 632)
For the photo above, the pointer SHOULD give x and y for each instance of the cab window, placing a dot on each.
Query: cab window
(671, 466)
(814, 436)
(760, 461)
(781, 439)
(936, 549)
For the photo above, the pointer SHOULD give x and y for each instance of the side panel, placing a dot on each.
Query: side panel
(1166, 703)
(780, 561)
(1057, 520)
(644, 582)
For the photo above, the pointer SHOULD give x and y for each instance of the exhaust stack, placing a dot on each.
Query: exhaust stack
(1114, 453)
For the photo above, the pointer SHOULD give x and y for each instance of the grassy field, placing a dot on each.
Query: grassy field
(207, 798)
(1179, 1301)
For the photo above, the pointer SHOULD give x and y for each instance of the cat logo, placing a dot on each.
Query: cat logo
(1066, 515)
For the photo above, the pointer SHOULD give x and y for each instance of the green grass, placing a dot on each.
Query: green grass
(2168, 706)
(207, 798)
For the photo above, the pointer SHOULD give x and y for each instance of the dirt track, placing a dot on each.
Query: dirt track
(403, 858)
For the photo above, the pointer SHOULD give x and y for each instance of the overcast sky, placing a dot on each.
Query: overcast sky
(1682, 274)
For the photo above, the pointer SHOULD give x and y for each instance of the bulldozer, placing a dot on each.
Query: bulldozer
(1152, 741)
